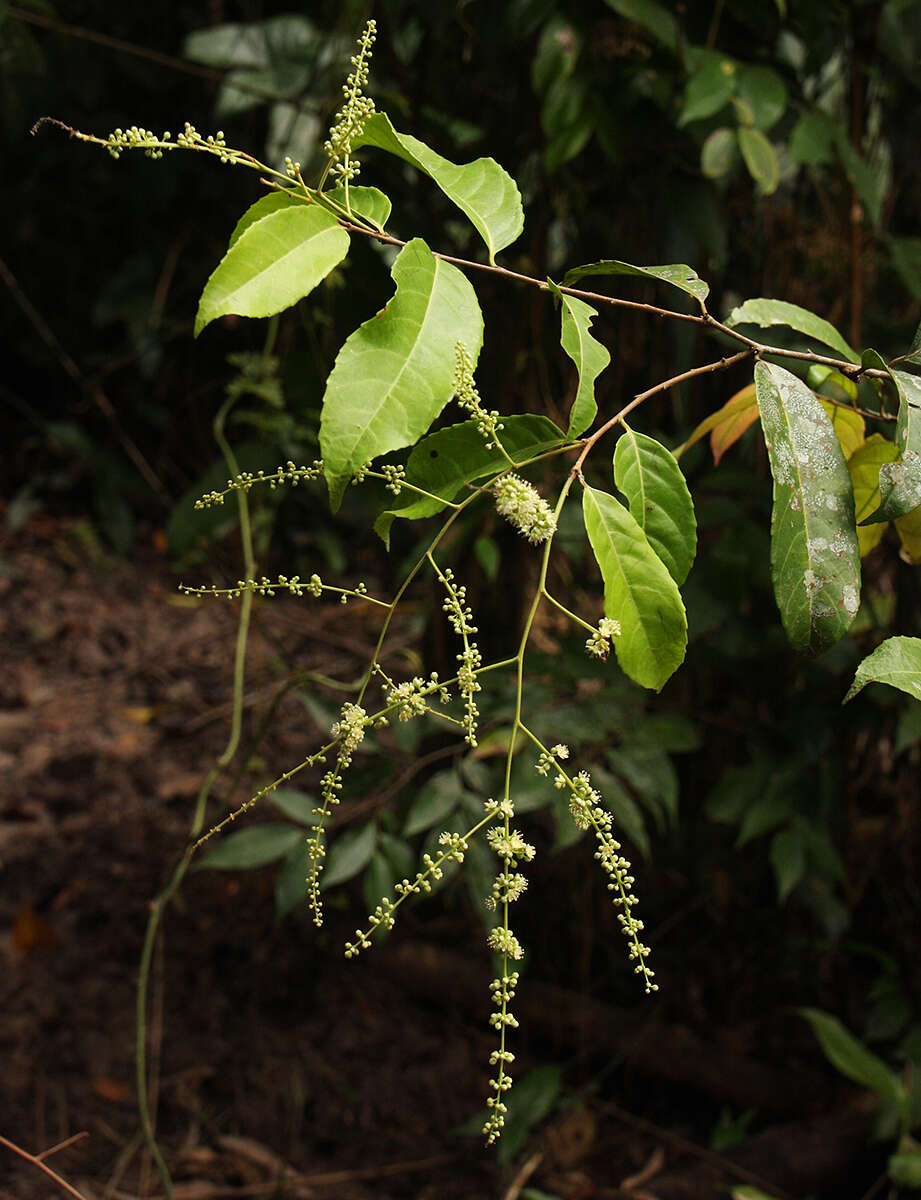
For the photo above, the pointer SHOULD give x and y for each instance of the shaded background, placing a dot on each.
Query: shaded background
(775, 835)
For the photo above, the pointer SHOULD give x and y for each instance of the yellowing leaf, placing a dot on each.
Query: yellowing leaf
(847, 424)
(726, 425)
(864, 465)
(909, 530)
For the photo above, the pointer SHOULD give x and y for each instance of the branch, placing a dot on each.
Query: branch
(36, 1161)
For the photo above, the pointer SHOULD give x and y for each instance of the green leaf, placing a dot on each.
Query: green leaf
(378, 881)
(719, 153)
(296, 805)
(849, 426)
(482, 190)
(659, 500)
(677, 274)
(253, 44)
(812, 142)
(788, 860)
(274, 262)
(709, 88)
(435, 801)
(904, 1168)
(760, 158)
(763, 94)
(870, 183)
(815, 559)
(900, 482)
(350, 853)
(625, 810)
(529, 1101)
(586, 352)
(638, 592)
(864, 467)
(726, 425)
(854, 1060)
(651, 774)
(906, 258)
(395, 373)
(264, 206)
(651, 15)
(245, 849)
(897, 662)
(766, 312)
(445, 461)
(291, 881)
(367, 202)
(400, 854)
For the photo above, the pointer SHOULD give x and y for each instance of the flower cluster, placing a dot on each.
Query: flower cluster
(138, 138)
(548, 759)
(587, 812)
(409, 698)
(599, 644)
(394, 477)
(465, 392)
(350, 119)
(289, 474)
(519, 503)
(461, 618)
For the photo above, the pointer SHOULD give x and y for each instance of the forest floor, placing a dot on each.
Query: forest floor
(278, 1068)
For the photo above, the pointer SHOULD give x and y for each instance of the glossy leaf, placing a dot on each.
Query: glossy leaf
(727, 424)
(245, 849)
(760, 158)
(678, 275)
(638, 592)
(853, 1059)
(659, 500)
(586, 352)
(273, 263)
(815, 559)
(765, 313)
(897, 662)
(710, 87)
(264, 206)
(395, 373)
(763, 95)
(719, 153)
(445, 461)
(484, 192)
(864, 467)
(349, 853)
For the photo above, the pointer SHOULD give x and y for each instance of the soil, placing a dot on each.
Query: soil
(277, 1067)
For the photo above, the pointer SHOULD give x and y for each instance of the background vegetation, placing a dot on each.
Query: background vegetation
(773, 147)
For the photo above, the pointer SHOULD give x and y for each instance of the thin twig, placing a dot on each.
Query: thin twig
(36, 1161)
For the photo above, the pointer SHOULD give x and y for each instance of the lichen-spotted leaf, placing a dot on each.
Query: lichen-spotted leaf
(272, 262)
(638, 592)
(659, 499)
(900, 482)
(395, 373)
(815, 560)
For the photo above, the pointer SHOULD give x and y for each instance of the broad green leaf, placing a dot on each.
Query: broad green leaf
(291, 880)
(378, 880)
(812, 142)
(900, 482)
(788, 860)
(484, 192)
(849, 426)
(679, 275)
(395, 373)
(651, 15)
(274, 262)
(864, 467)
(296, 805)
(627, 815)
(770, 808)
(529, 1101)
(853, 1059)
(638, 592)
(445, 461)
(434, 802)
(765, 312)
(906, 258)
(349, 853)
(264, 206)
(760, 158)
(557, 54)
(367, 202)
(726, 425)
(651, 774)
(659, 500)
(842, 386)
(719, 153)
(399, 852)
(709, 88)
(897, 662)
(245, 849)
(253, 44)
(763, 94)
(586, 352)
(815, 560)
